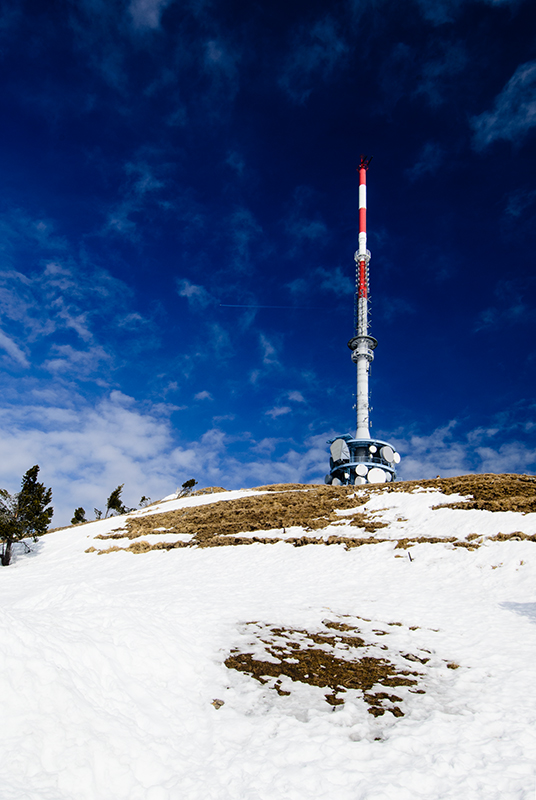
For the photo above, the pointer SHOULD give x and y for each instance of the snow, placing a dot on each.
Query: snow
(110, 664)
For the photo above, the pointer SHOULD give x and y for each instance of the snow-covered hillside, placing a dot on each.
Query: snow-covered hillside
(286, 643)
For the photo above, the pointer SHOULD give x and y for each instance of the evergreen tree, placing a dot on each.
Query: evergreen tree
(24, 514)
(78, 516)
(187, 487)
(114, 502)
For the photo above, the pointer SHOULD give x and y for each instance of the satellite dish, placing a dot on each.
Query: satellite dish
(376, 475)
(387, 453)
(372, 448)
(361, 469)
(339, 450)
(359, 480)
(336, 482)
(396, 458)
(327, 479)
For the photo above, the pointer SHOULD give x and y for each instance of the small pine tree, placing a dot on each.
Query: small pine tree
(187, 487)
(78, 516)
(24, 514)
(98, 513)
(144, 502)
(114, 502)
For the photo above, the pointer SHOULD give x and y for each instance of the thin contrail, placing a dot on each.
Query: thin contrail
(226, 305)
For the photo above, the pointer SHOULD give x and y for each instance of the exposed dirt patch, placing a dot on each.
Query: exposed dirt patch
(311, 507)
(208, 490)
(507, 492)
(504, 492)
(338, 657)
(518, 536)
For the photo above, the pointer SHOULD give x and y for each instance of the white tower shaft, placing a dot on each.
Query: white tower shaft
(362, 344)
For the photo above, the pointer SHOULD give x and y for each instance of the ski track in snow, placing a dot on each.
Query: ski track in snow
(109, 665)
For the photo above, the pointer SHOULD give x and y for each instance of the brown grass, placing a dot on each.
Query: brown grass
(314, 508)
(507, 492)
(312, 658)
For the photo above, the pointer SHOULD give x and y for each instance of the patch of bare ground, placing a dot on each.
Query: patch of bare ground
(517, 536)
(208, 490)
(313, 509)
(506, 492)
(221, 524)
(337, 657)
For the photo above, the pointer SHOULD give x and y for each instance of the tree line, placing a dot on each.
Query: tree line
(28, 513)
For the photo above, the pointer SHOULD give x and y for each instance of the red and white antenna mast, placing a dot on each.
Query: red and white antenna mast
(361, 459)
(362, 345)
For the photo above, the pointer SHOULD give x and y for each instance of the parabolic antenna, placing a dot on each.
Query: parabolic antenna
(376, 475)
(361, 469)
(336, 482)
(372, 448)
(396, 458)
(339, 450)
(359, 480)
(387, 453)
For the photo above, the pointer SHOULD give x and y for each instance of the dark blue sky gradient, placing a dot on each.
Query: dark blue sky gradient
(162, 161)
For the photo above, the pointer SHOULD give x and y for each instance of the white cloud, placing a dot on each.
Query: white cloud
(439, 12)
(315, 53)
(298, 286)
(336, 281)
(512, 309)
(243, 230)
(13, 350)
(519, 201)
(204, 395)
(86, 450)
(514, 111)
(269, 352)
(429, 161)
(236, 162)
(147, 13)
(278, 411)
(301, 218)
(139, 191)
(79, 362)
(197, 296)
(296, 396)
(447, 453)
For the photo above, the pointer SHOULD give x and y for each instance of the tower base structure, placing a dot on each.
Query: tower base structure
(359, 461)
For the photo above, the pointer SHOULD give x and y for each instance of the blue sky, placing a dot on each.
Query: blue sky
(178, 218)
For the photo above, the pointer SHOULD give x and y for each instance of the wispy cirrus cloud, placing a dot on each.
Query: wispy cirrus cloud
(335, 281)
(429, 161)
(80, 363)
(204, 395)
(269, 351)
(13, 350)
(140, 193)
(146, 14)
(296, 397)
(519, 202)
(315, 52)
(514, 111)
(198, 297)
(278, 411)
(513, 307)
(302, 220)
(448, 451)
(441, 12)
(243, 231)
